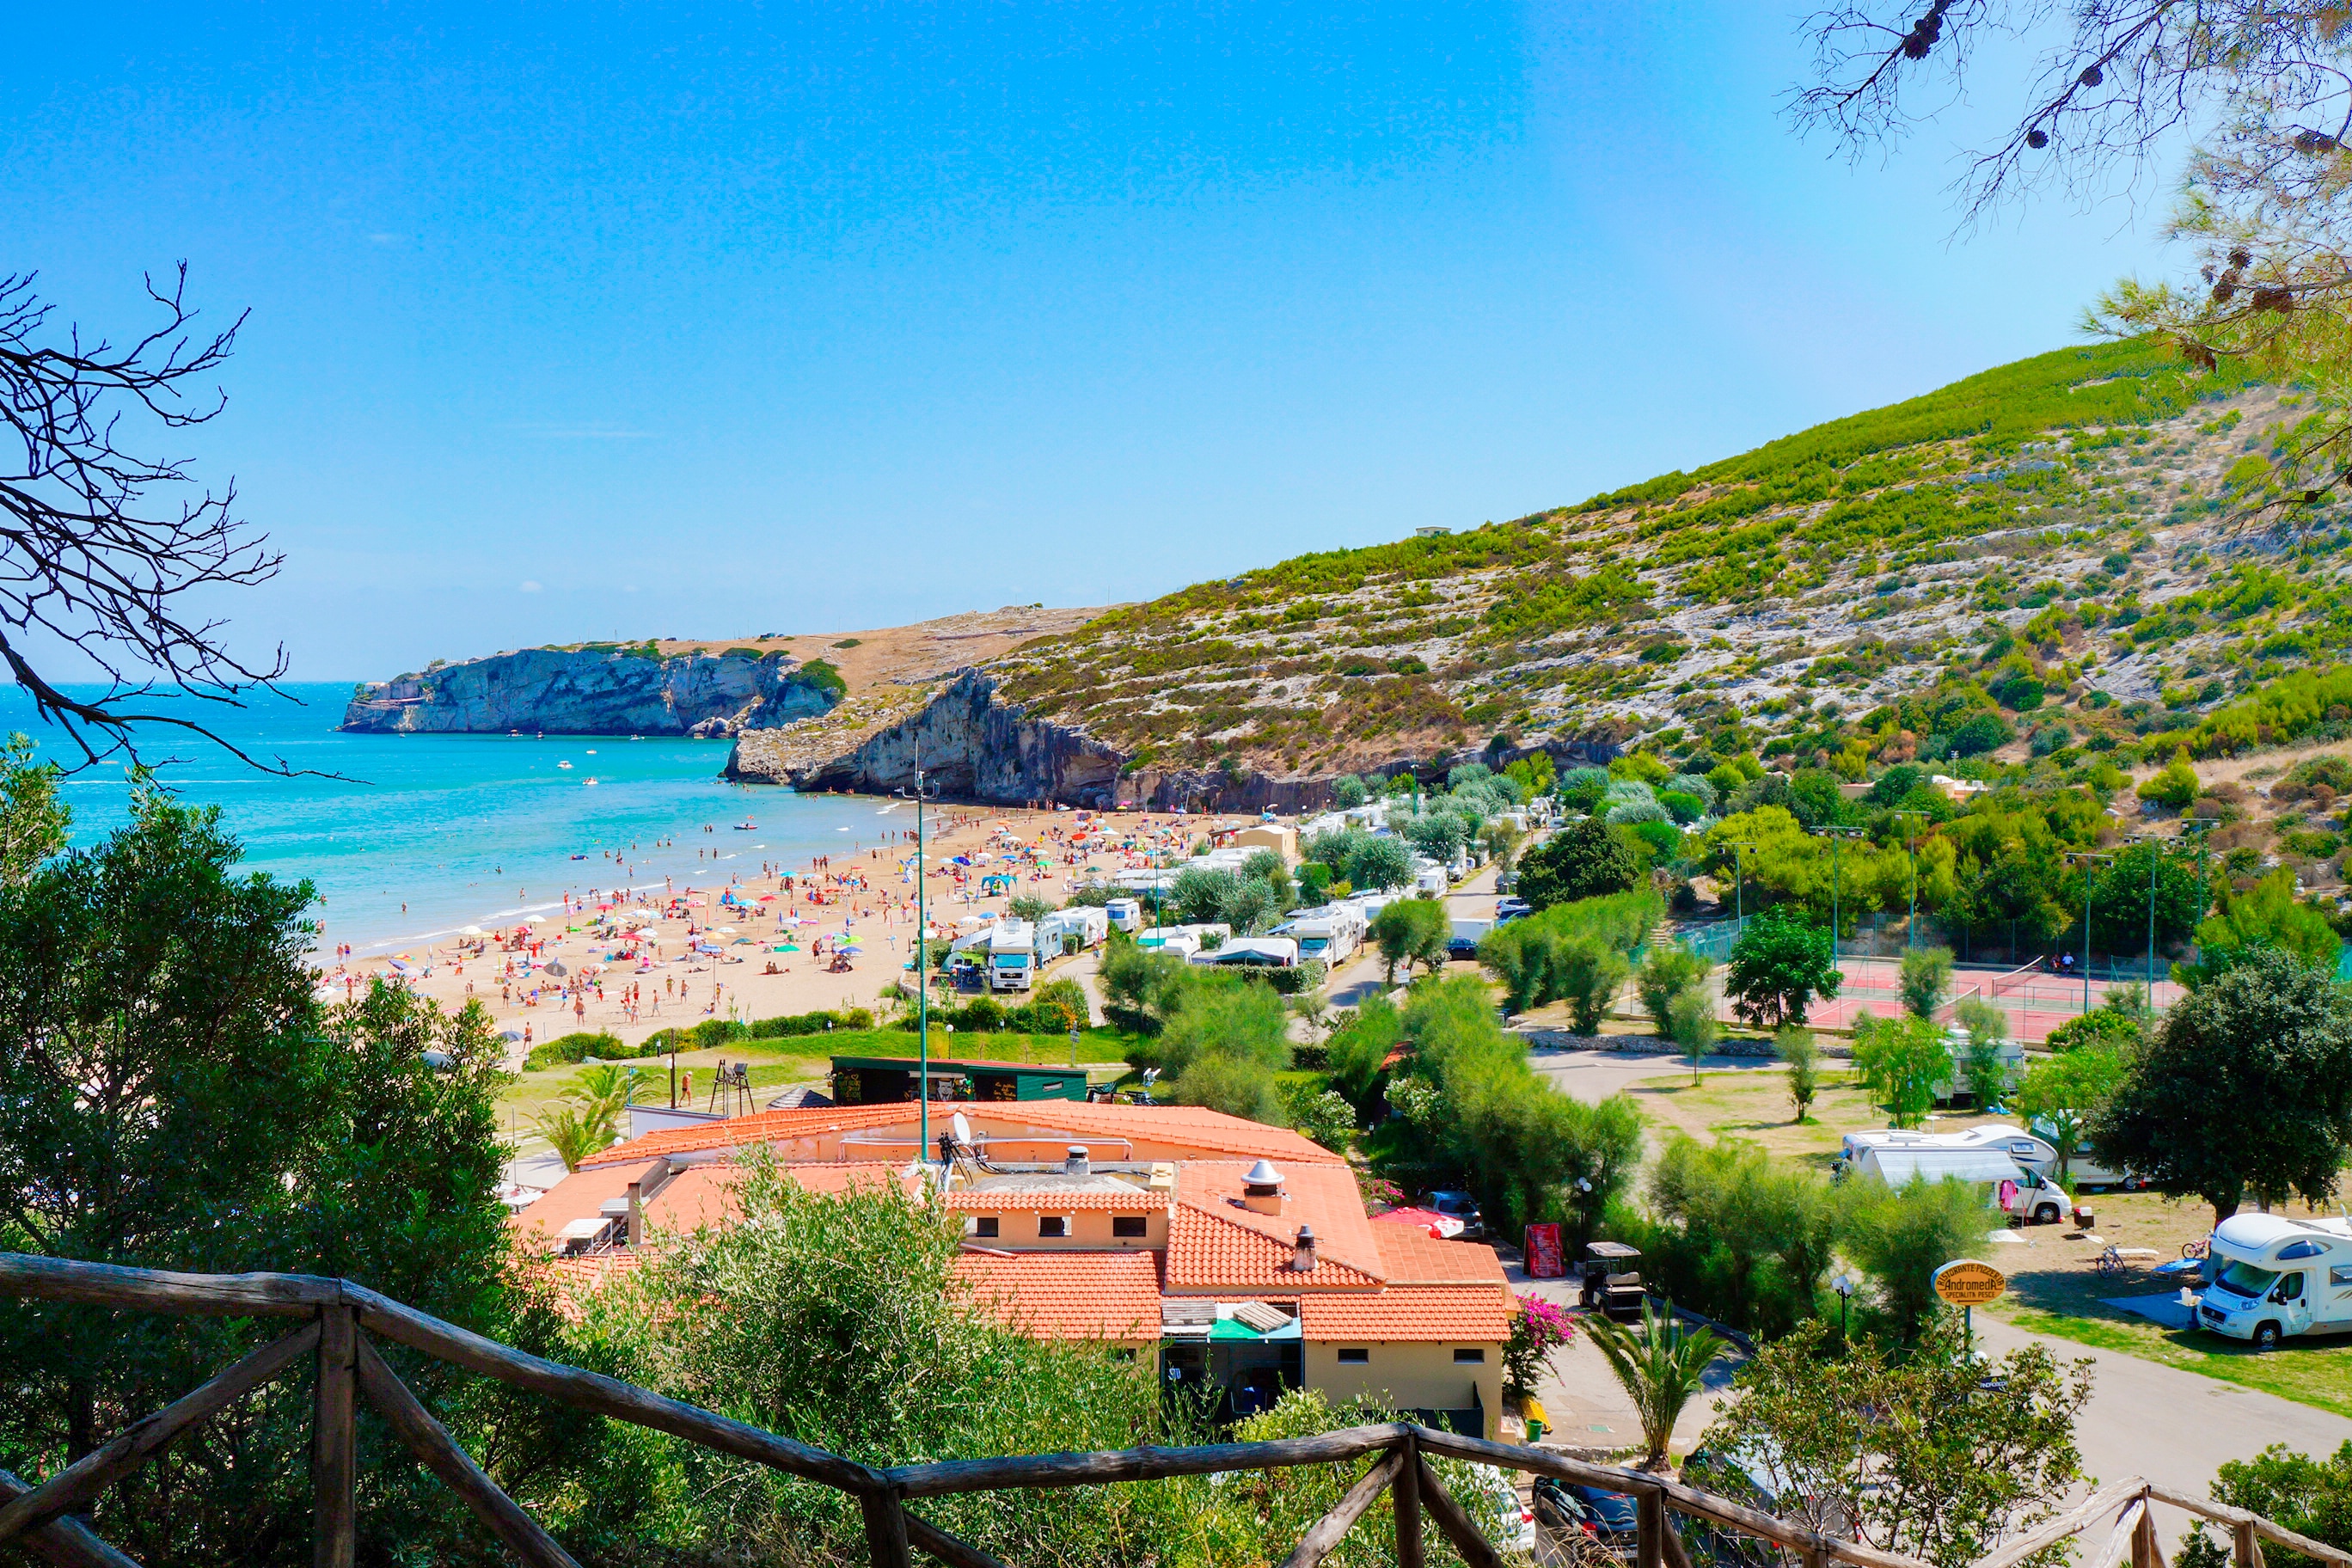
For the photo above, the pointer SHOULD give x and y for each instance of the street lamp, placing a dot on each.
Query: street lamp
(922, 957)
(1911, 847)
(2085, 859)
(1835, 835)
(1845, 1285)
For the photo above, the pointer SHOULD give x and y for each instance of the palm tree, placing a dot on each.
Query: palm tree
(1661, 1365)
(587, 1115)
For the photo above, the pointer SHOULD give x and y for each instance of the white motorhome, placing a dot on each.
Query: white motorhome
(1251, 952)
(1325, 935)
(1089, 924)
(2275, 1277)
(1125, 914)
(1012, 956)
(2009, 1186)
(2011, 1056)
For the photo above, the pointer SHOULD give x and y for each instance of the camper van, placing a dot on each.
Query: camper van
(1012, 956)
(1324, 936)
(2015, 1190)
(1125, 914)
(2275, 1277)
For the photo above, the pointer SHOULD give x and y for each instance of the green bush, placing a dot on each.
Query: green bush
(575, 1047)
(793, 1023)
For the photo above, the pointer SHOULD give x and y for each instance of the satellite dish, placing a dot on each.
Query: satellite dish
(962, 1128)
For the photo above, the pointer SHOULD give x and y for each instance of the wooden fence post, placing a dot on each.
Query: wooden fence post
(334, 1462)
(2246, 1548)
(1650, 1528)
(1405, 1492)
(886, 1530)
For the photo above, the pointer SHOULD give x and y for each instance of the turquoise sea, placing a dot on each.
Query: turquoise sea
(462, 830)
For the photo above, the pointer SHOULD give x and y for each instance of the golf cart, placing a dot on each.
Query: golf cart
(1612, 1285)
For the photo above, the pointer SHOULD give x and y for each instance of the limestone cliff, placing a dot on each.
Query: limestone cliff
(974, 746)
(599, 689)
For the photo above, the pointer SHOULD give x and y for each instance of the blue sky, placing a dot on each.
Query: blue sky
(584, 319)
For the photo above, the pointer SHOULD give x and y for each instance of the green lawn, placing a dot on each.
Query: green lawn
(2309, 1372)
(807, 1058)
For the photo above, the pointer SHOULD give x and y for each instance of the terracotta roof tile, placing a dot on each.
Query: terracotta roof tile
(1465, 1314)
(1410, 1256)
(1213, 1251)
(1049, 1200)
(1211, 1133)
(1068, 1295)
(1322, 1197)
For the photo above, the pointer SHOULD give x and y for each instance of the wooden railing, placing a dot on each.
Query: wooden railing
(338, 1317)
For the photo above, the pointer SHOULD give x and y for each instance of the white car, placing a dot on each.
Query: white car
(1509, 1523)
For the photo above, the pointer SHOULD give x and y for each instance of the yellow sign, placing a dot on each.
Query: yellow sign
(1967, 1283)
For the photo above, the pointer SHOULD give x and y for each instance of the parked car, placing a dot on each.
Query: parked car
(1509, 1523)
(1511, 910)
(1459, 1206)
(1608, 1519)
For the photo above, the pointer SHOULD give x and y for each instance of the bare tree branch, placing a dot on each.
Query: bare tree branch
(88, 558)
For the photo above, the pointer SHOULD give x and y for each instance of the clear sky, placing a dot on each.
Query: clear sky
(587, 320)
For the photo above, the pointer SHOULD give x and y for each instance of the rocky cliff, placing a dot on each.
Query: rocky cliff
(975, 746)
(599, 689)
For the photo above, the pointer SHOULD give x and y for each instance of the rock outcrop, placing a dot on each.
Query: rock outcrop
(598, 690)
(974, 746)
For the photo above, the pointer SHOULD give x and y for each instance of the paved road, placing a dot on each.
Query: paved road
(1593, 1076)
(2148, 1419)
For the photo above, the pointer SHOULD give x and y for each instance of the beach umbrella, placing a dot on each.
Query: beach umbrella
(470, 931)
(788, 947)
(534, 920)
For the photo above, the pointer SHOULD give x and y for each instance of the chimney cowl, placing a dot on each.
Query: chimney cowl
(1302, 1256)
(1261, 1174)
(1075, 1162)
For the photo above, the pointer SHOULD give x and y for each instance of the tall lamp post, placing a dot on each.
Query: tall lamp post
(1911, 849)
(1836, 836)
(923, 958)
(2086, 860)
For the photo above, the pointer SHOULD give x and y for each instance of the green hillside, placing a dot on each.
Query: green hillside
(2040, 558)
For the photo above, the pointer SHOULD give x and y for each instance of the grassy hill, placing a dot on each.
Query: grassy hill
(2040, 558)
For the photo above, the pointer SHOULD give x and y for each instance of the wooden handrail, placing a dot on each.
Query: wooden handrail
(339, 1310)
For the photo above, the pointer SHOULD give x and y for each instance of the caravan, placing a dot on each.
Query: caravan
(2275, 1277)
(2015, 1190)
(1325, 935)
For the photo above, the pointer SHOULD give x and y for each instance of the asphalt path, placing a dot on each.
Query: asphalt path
(2169, 1426)
(1593, 1076)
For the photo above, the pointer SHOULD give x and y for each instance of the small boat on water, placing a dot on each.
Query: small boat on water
(563, 764)
(592, 781)
(747, 827)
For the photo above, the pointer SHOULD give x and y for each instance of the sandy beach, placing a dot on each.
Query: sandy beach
(587, 966)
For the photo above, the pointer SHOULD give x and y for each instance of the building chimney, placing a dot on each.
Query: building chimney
(1262, 1189)
(1075, 1163)
(1302, 1256)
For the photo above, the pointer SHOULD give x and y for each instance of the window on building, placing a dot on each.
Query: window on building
(1354, 1355)
(1467, 1353)
(1127, 1225)
(984, 1224)
(1053, 1224)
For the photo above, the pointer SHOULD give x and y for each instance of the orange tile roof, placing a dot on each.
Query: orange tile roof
(1067, 1295)
(1203, 1255)
(1048, 1200)
(697, 1196)
(1411, 1257)
(1213, 1251)
(741, 1131)
(1212, 1134)
(1465, 1314)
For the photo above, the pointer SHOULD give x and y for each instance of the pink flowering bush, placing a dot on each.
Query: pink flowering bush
(1541, 1328)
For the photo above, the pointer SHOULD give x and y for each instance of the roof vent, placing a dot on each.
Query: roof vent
(1262, 1189)
(1074, 1163)
(1302, 1256)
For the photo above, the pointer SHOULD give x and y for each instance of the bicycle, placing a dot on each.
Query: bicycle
(2201, 1249)
(2111, 1262)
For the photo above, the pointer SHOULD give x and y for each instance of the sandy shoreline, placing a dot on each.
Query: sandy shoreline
(864, 891)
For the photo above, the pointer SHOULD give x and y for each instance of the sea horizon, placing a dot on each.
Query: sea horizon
(460, 829)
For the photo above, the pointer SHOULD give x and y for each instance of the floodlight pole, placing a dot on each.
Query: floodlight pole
(2086, 860)
(922, 956)
(1911, 849)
